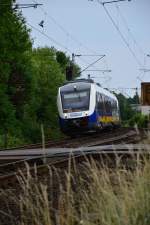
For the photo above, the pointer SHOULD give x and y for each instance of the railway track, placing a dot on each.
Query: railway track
(107, 154)
(106, 136)
(95, 146)
(33, 154)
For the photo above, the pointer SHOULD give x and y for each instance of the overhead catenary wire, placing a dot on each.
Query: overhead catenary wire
(92, 63)
(65, 31)
(120, 33)
(126, 88)
(69, 35)
(50, 38)
(129, 30)
(134, 41)
(57, 43)
(85, 61)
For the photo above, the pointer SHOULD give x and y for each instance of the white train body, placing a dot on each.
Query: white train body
(85, 105)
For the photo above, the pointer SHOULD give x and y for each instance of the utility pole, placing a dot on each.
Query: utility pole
(70, 68)
(137, 96)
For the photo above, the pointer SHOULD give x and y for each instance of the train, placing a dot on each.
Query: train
(84, 106)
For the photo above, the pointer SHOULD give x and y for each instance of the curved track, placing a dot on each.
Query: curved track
(104, 136)
(13, 160)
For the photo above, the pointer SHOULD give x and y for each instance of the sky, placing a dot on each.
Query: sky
(120, 31)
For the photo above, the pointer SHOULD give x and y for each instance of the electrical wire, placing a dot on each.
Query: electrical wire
(129, 30)
(92, 63)
(65, 31)
(57, 43)
(120, 33)
(50, 38)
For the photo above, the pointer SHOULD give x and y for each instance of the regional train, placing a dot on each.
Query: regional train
(84, 105)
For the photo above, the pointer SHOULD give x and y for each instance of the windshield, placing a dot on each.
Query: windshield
(75, 101)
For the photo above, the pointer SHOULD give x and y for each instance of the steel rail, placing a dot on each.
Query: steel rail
(111, 150)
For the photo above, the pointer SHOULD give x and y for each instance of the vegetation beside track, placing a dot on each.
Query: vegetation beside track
(87, 195)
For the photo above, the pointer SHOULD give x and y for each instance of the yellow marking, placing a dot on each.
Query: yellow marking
(108, 119)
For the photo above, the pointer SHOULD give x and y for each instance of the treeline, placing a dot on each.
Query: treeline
(29, 79)
(125, 104)
(130, 115)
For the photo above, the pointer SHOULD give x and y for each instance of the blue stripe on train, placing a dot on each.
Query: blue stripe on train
(92, 120)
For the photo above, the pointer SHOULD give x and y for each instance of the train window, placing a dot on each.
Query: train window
(102, 105)
(114, 108)
(75, 95)
(99, 103)
(75, 101)
(105, 104)
(108, 105)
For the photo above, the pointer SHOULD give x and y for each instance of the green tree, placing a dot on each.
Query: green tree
(134, 100)
(15, 67)
(62, 59)
(126, 111)
(29, 80)
(65, 61)
(47, 76)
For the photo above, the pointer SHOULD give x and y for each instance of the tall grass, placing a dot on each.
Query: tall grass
(87, 195)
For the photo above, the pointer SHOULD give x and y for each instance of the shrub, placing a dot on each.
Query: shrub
(88, 196)
(140, 120)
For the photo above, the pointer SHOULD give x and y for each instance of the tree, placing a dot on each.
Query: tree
(29, 80)
(134, 100)
(62, 59)
(47, 77)
(126, 111)
(65, 62)
(15, 67)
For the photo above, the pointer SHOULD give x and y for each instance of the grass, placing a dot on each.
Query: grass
(88, 195)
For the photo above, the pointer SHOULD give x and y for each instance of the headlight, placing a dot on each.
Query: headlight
(65, 116)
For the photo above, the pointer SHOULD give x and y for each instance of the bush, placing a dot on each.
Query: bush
(140, 120)
(88, 196)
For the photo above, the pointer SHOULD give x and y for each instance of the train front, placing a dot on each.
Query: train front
(74, 107)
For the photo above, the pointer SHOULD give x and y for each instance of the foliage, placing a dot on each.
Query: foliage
(129, 116)
(87, 195)
(47, 77)
(29, 80)
(15, 76)
(62, 59)
(134, 100)
(141, 121)
(126, 111)
(65, 61)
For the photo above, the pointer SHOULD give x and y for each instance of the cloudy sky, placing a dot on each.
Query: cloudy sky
(121, 31)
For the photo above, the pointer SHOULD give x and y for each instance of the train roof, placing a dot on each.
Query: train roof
(84, 84)
(106, 92)
(80, 80)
